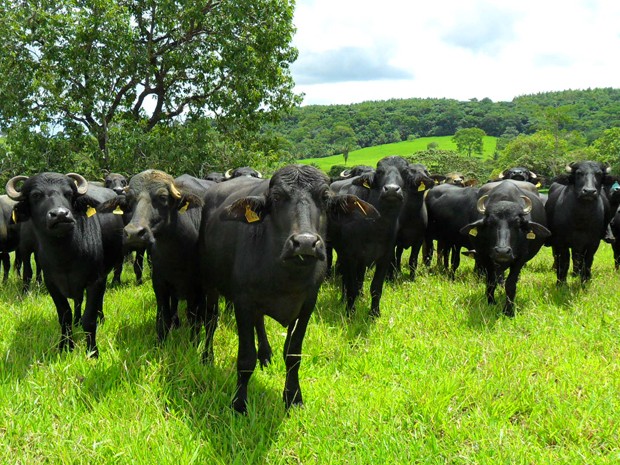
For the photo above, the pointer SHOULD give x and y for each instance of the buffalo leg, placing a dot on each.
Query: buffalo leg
(491, 284)
(562, 260)
(511, 290)
(94, 307)
(586, 272)
(264, 349)
(292, 355)
(138, 265)
(413, 259)
(164, 315)
(6, 262)
(210, 322)
(65, 317)
(246, 357)
(376, 286)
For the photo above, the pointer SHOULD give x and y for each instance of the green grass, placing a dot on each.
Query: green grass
(440, 377)
(370, 155)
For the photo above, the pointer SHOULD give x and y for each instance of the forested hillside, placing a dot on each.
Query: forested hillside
(316, 131)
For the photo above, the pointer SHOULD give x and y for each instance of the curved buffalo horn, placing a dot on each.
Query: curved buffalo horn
(528, 204)
(228, 174)
(174, 191)
(533, 175)
(12, 190)
(569, 168)
(480, 204)
(501, 175)
(345, 173)
(80, 182)
(608, 169)
(260, 175)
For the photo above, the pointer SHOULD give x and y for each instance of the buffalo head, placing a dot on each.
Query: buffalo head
(51, 200)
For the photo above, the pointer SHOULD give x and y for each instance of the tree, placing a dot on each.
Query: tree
(608, 146)
(343, 140)
(469, 140)
(96, 65)
(536, 152)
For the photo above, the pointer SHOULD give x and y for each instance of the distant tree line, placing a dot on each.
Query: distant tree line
(581, 115)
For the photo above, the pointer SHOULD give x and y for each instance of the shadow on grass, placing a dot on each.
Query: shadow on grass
(331, 310)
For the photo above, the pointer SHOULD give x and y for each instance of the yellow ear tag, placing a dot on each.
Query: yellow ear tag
(184, 208)
(421, 187)
(473, 232)
(250, 215)
(14, 217)
(538, 185)
(366, 185)
(359, 205)
(90, 211)
(117, 210)
(531, 235)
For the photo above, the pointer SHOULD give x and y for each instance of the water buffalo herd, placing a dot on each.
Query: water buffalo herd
(266, 244)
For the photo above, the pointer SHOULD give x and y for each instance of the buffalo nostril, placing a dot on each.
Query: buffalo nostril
(58, 213)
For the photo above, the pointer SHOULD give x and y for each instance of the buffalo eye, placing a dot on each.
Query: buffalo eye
(36, 196)
(68, 195)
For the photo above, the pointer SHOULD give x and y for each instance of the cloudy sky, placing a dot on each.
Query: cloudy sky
(357, 50)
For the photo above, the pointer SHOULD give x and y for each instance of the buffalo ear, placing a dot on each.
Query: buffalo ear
(471, 228)
(82, 203)
(188, 201)
(438, 178)
(118, 203)
(21, 212)
(340, 206)
(539, 230)
(364, 180)
(247, 210)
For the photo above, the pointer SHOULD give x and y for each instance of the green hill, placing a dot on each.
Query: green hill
(370, 155)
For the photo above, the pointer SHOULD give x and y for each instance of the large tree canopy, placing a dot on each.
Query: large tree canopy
(95, 64)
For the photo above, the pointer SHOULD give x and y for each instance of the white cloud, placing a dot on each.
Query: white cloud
(454, 48)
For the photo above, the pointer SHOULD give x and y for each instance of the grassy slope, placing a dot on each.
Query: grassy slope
(370, 155)
(440, 377)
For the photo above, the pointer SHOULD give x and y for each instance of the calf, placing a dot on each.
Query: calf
(69, 245)
(578, 214)
(263, 249)
(510, 233)
(165, 218)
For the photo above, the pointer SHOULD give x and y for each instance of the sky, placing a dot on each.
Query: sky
(356, 50)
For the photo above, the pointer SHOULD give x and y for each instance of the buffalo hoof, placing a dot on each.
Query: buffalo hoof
(66, 344)
(294, 400)
(240, 406)
(264, 359)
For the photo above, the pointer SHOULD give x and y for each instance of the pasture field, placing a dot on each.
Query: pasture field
(371, 155)
(440, 377)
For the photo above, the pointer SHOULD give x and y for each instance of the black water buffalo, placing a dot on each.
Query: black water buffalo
(578, 214)
(360, 242)
(165, 218)
(520, 173)
(510, 233)
(450, 208)
(115, 181)
(70, 245)
(118, 183)
(356, 170)
(263, 249)
(413, 218)
(243, 171)
(9, 237)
